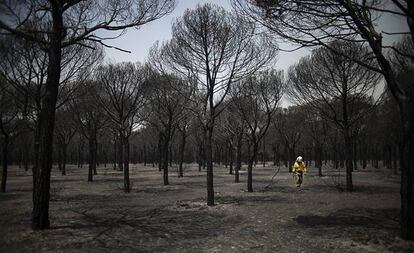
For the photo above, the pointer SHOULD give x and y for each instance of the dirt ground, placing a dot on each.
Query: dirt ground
(99, 217)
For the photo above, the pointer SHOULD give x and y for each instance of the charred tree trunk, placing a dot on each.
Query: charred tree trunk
(238, 158)
(41, 177)
(407, 170)
(121, 151)
(160, 151)
(209, 160)
(165, 155)
(355, 156)
(170, 157)
(181, 152)
(5, 154)
(231, 159)
(125, 156)
(92, 156)
(348, 160)
(252, 158)
(95, 172)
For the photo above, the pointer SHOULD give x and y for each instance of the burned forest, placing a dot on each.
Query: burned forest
(207, 126)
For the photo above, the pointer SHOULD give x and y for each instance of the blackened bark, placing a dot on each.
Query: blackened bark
(231, 159)
(395, 160)
(160, 151)
(200, 157)
(354, 156)
(5, 154)
(252, 159)
(238, 158)
(407, 170)
(226, 155)
(264, 152)
(182, 149)
(170, 157)
(92, 156)
(41, 178)
(115, 152)
(348, 160)
(95, 154)
(209, 160)
(165, 155)
(125, 156)
(121, 151)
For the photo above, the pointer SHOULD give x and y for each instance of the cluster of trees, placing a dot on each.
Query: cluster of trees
(208, 95)
(318, 23)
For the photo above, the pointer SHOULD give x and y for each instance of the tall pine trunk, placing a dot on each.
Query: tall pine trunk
(125, 156)
(181, 155)
(92, 156)
(41, 177)
(252, 159)
(348, 160)
(95, 154)
(231, 158)
(209, 161)
(160, 151)
(5, 161)
(407, 170)
(238, 158)
(165, 153)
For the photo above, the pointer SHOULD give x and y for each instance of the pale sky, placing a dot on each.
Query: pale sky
(140, 41)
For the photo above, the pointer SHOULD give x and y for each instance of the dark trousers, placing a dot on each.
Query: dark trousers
(299, 178)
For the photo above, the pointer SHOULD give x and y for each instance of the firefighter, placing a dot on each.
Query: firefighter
(299, 168)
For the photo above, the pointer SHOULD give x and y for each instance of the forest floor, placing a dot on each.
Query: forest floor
(99, 217)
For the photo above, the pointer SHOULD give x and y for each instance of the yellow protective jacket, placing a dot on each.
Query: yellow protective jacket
(299, 166)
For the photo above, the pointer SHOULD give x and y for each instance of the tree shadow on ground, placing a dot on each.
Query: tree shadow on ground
(250, 200)
(363, 217)
(147, 231)
(373, 189)
(10, 196)
(294, 189)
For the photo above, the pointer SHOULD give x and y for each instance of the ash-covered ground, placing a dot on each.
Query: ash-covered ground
(277, 217)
